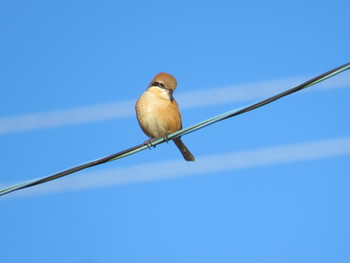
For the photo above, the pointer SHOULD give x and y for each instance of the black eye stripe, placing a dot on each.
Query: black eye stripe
(159, 84)
(162, 86)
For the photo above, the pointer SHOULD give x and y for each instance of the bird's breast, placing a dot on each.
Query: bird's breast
(157, 116)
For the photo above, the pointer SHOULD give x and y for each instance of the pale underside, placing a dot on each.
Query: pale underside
(157, 114)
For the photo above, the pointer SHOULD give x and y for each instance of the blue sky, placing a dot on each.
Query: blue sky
(267, 186)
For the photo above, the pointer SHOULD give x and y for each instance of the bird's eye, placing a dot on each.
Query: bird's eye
(162, 84)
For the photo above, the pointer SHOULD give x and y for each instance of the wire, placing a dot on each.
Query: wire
(179, 133)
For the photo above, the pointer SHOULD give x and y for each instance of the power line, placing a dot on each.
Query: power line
(182, 132)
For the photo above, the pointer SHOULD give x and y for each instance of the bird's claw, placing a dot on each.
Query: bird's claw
(166, 138)
(149, 144)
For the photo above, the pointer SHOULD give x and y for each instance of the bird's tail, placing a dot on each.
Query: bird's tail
(183, 149)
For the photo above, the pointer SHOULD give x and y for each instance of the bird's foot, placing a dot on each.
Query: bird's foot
(149, 144)
(166, 138)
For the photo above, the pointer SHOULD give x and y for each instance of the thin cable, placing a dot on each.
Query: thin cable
(174, 135)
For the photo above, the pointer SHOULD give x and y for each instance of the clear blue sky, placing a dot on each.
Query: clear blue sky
(268, 186)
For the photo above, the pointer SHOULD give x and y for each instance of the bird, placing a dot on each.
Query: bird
(158, 113)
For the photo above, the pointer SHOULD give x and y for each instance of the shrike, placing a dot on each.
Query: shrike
(158, 113)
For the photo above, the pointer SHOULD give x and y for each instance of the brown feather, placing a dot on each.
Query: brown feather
(188, 156)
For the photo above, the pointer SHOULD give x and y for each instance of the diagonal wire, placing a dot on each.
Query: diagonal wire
(174, 135)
